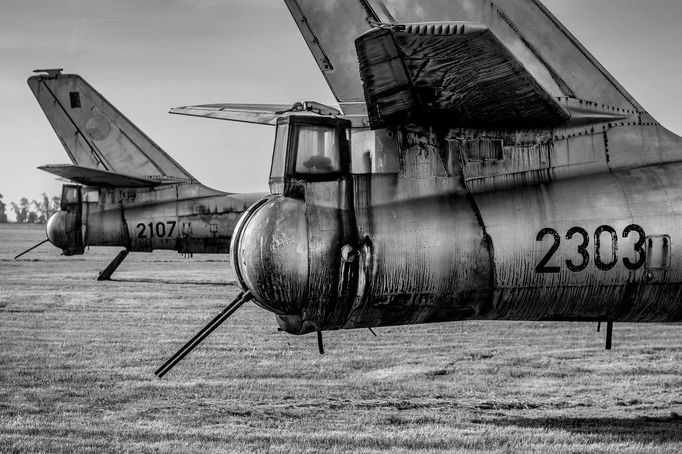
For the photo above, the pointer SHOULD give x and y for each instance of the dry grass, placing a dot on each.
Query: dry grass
(77, 362)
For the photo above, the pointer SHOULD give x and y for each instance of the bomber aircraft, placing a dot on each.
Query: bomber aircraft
(481, 165)
(129, 192)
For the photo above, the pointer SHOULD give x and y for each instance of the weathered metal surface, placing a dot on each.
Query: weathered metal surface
(536, 38)
(572, 221)
(270, 254)
(421, 230)
(331, 226)
(58, 228)
(451, 72)
(285, 250)
(594, 281)
(429, 260)
(187, 218)
(431, 250)
(64, 228)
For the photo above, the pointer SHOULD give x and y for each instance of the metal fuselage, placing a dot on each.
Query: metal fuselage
(189, 218)
(431, 226)
(486, 166)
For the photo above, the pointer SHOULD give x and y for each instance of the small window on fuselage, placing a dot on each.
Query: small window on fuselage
(279, 153)
(70, 194)
(317, 150)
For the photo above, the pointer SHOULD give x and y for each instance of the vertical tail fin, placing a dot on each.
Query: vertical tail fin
(95, 134)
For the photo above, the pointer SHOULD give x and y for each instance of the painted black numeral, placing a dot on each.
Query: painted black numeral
(582, 249)
(542, 268)
(141, 234)
(638, 247)
(599, 263)
(602, 263)
(172, 227)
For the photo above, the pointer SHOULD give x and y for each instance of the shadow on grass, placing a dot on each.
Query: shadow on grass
(179, 282)
(641, 429)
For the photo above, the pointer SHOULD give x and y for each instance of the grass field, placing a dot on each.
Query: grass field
(77, 362)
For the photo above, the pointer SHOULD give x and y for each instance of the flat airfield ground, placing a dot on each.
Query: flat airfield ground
(78, 356)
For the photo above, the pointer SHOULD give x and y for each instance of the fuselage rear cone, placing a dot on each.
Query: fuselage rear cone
(270, 255)
(56, 230)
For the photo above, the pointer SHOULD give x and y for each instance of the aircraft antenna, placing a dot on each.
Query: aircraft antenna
(203, 333)
(32, 248)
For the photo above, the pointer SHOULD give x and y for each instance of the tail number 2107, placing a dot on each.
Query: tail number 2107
(157, 230)
(602, 262)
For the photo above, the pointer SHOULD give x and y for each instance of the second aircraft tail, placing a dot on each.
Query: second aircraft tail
(96, 135)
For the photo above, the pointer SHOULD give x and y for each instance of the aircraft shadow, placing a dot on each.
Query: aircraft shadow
(643, 429)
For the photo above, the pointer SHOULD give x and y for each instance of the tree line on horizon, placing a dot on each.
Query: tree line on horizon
(30, 211)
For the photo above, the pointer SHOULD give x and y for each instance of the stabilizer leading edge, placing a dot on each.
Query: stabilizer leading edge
(95, 177)
(261, 114)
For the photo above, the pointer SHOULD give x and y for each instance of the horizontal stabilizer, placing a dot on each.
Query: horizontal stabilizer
(262, 114)
(94, 177)
(460, 62)
(457, 70)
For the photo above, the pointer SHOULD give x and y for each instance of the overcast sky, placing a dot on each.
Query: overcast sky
(147, 56)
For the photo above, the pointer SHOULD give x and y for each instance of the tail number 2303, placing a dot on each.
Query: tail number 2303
(601, 261)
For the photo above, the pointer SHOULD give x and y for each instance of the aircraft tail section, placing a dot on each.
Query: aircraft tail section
(524, 32)
(96, 135)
